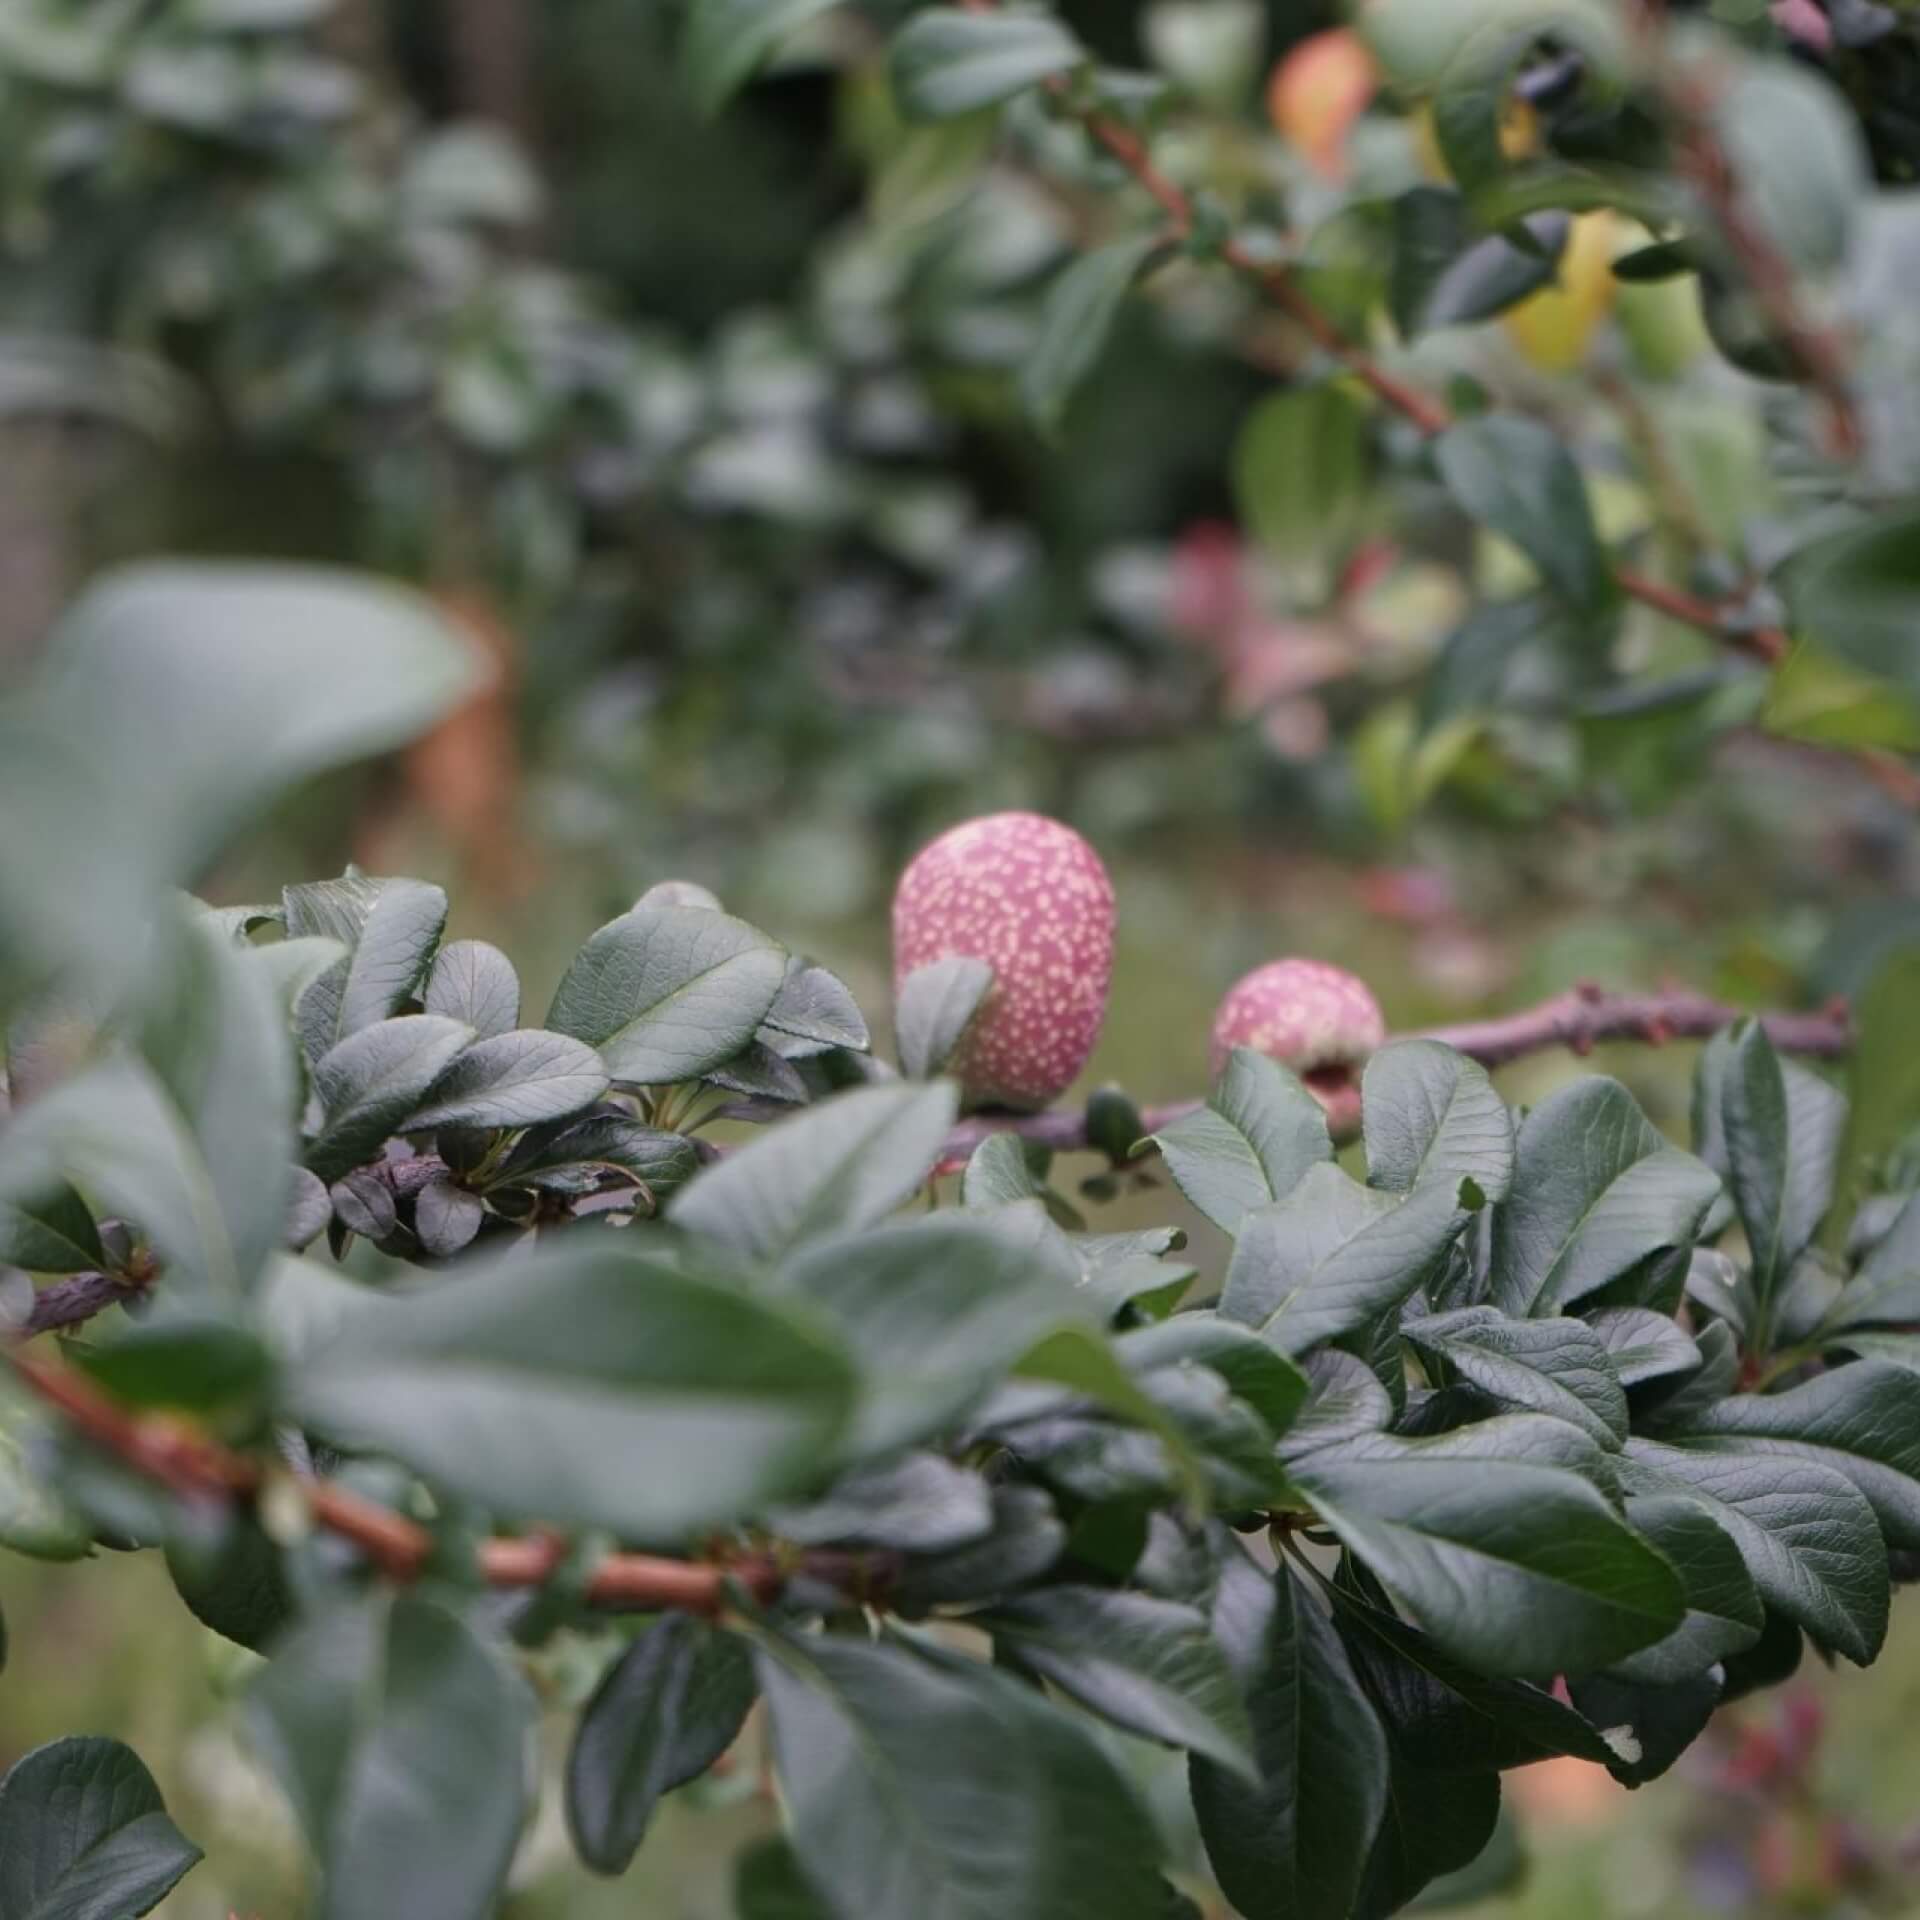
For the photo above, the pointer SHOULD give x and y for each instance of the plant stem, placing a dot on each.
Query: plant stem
(180, 1457)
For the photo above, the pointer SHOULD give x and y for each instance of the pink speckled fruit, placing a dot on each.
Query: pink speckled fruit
(1319, 1020)
(1029, 897)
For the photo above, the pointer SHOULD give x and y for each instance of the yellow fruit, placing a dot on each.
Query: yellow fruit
(1554, 326)
(1316, 94)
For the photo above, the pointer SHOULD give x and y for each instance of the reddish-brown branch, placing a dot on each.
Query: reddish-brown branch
(177, 1456)
(1579, 1021)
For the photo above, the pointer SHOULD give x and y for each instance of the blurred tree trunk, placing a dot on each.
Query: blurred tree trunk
(490, 57)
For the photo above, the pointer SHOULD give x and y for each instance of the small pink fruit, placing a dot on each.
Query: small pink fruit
(1321, 1021)
(1030, 897)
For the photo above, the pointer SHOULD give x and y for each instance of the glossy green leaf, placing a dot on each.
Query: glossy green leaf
(921, 1784)
(1513, 1566)
(815, 1009)
(1435, 1825)
(585, 1384)
(373, 1082)
(1723, 1614)
(1076, 318)
(1259, 1132)
(1642, 1345)
(1333, 1256)
(1862, 1421)
(666, 993)
(1025, 1539)
(666, 1710)
(937, 1003)
(1441, 1715)
(84, 1835)
(1597, 1192)
(1649, 1726)
(1147, 1665)
(515, 1079)
(51, 1232)
(1886, 1289)
(576, 1156)
(1773, 1131)
(845, 1163)
(1857, 592)
(945, 62)
(390, 929)
(916, 1503)
(402, 1739)
(768, 1885)
(1554, 1366)
(1270, 1383)
(1809, 1539)
(1432, 1115)
(1295, 1841)
(475, 984)
(1515, 477)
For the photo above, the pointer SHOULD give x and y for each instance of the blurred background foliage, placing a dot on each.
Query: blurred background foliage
(708, 428)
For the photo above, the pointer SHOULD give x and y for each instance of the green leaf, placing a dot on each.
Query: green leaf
(915, 1502)
(1796, 148)
(200, 1365)
(935, 1311)
(215, 1033)
(98, 822)
(1333, 1256)
(84, 1835)
(1435, 1825)
(585, 1384)
(1806, 1533)
(1555, 1366)
(999, 1173)
(1075, 320)
(1857, 592)
(666, 1710)
(945, 62)
(1147, 1665)
(51, 1232)
(1596, 1193)
(1862, 1421)
(1884, 1083)
(1642, 1345)
(475, 984)
(238, 1587)
(815, 1010)
(1773, 1131)
(1301, 469)
(116, 1132)
(667, 993)
(1448, 271)
(1886, 1289)
(727, 41)
(402, 1739)
(1512, 1566)
(1442, 1716)
(1026, 1539)
(373, 1082)
(1296, 1842)
(515, 1079)
(1723, 1608)
(1249, 1145)
(578, 1156)
(1347, 1399)
(768, 1885)
(935, 1007)
(1419, 41)
(906, 1772)
(1649, 1726)
(845, 1163)
(390, 929)
(1514, 476)
(446, 1218)
(1270, 1383)
(1431, 1114)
